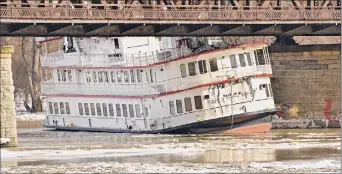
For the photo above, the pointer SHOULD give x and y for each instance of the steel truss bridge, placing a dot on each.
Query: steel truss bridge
(170, 18)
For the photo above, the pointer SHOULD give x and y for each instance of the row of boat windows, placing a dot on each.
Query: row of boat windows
(198, 101)
(134, 110)
(59, 108)
(104, 109)
(121, 76)
(244, 59)
(202, 66)
(64, 76)
(187, 103)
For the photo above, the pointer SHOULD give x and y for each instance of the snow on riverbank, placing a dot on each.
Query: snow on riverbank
(30, 116)
(312, 166)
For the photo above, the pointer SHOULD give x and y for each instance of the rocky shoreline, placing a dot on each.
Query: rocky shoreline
(305, 124)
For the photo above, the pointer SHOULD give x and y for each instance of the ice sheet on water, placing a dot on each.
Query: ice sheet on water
(325, 165)
(51, 154)
(244, 145)
(314, 164)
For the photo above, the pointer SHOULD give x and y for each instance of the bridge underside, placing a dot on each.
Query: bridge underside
(152, 29)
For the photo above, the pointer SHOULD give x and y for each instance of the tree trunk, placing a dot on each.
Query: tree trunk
(35, 78)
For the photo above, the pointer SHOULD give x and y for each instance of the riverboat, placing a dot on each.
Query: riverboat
(172, 85)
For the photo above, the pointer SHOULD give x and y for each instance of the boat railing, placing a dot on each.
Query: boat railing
(98, 60)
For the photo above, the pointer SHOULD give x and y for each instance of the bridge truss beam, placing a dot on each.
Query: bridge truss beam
(137, 29)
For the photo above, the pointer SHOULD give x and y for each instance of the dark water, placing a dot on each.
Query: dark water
(304, 150)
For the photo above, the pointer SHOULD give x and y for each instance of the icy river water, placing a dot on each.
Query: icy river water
(280, 151)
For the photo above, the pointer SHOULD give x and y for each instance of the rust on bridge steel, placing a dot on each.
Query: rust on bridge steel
(200, 4)
(137, 11)
(170, 17)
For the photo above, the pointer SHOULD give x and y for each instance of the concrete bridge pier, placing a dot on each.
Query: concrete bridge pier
(7, 105)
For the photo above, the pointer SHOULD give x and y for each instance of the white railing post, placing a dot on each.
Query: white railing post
(133, 60)
(181, 55)
(146, 59)
(153, 57)
(139, 59)
(164, 54)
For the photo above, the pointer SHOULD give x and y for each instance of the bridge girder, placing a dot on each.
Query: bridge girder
(137, 29)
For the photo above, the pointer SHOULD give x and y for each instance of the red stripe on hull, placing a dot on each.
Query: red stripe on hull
(258, 128)
(158, 95)
(159, 63)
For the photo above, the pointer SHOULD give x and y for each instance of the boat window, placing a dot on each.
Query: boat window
(131, 110)
(192, 68)
(146, 111)
(58, 76)
(50, 108)
(188, 105)
(132, 76)
(61, 107)
(249, 60)
(198, 102)
(213, 64)
(147, 77)
(137, 111)
(69, 76)
(80, 108)
(92, 109)
(151, 74)
(242, 60)
(64, 75)
(111, 110)
(232, 61)
(86, 108)
(105, 111)
(118, 110)
(126, 76)
(139, 75)
(172, 107)
(67, 108)
(179, 106)
(55, 106)
(260, 56)
(116, 43)
(100, 76)
(202, 67)
(119, 76)
(267, 91)
(98, 109)
(206, 97)
(94, 76)
(124, 110)
(105, 73)
(183, 70)
(112, 76)
(88, 76)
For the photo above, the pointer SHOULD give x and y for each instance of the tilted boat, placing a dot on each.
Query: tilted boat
(158, 85)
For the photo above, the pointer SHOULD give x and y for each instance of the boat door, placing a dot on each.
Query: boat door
(144, 111)
(78, 79)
